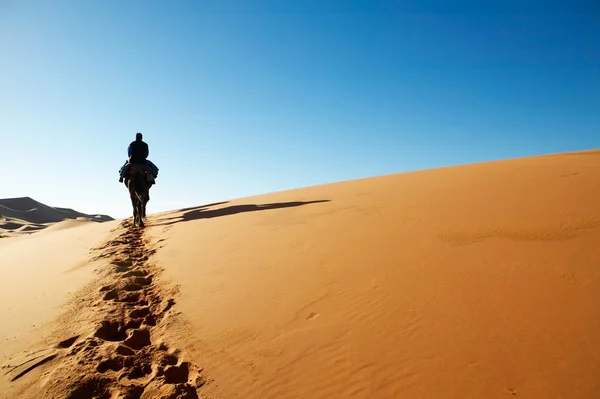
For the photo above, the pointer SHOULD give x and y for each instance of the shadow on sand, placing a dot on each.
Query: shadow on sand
(203, 212)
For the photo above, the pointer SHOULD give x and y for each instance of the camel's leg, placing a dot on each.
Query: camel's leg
(140, 212)
(134, 205)
(144, 203)
(135, 212)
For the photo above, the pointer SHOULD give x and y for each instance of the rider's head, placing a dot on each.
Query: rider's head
(138, 136)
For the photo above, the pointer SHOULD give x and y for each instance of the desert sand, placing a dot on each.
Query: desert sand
(473, 281)
(26, 215)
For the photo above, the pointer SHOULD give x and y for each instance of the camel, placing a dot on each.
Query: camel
(139, 191)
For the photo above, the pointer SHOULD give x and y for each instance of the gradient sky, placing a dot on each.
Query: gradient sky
(240, 99)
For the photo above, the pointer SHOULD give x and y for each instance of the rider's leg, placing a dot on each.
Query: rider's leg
(125, 172)
(122, 171)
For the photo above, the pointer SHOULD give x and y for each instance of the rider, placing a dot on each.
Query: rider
(137, 152)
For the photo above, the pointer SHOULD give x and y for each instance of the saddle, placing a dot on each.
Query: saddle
(144, 169)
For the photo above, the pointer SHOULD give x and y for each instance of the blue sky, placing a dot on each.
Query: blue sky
(241, 99)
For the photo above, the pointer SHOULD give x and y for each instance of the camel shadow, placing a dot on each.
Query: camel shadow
(203, 212)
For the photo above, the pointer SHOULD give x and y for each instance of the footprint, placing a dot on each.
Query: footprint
(143, 280)
(136, 273)
(106, 288)
(138, 339)
(131, 286)
(131, 367)
(68, 342)
(137, 367)
(141, 312)
(110, 331)
(111, 295)
(91, 387)
(132, 392)
(150, 320)
(180, 391)
(177, 374)
(138, 372)
(134, 323)
(121, 269)
(169, 359)
(131, 297)
(115, 364)
(312, 316)
(122, 263)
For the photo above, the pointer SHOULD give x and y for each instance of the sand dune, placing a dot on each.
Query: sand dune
(475, 281)
(25, 215)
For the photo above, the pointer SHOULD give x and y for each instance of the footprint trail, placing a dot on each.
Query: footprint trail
(122, 355)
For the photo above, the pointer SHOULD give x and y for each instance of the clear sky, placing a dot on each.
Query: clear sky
(241, 99)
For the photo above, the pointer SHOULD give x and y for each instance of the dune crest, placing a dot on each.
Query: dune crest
(26, 215)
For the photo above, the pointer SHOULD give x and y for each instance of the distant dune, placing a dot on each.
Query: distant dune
(26, 215)
(473, 281)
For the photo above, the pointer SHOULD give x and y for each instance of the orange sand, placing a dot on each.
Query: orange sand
(476, 281)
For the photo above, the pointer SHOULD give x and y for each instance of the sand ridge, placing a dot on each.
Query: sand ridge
(25, 215)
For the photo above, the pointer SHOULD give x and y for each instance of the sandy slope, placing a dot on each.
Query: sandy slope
(478, 281)
(39, 274)
(25, 215)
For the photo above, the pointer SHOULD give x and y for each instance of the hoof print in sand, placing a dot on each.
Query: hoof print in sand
(111, 295)
(138, 339)
(106, 288)
(136, 273)
(110, 331)
(131, 286)
(118, 360)
(131, 297)
(132, 392)
(90, 388)
(150, 320)
(141, 312)
(67, 343)
(139, 371)
(177, 374)
(169, 360)
(143, 281)
(115, 364)
(134, 323)
(169, 391)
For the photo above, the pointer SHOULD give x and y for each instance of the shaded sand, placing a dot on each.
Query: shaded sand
(24, 215)
(477, 281)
